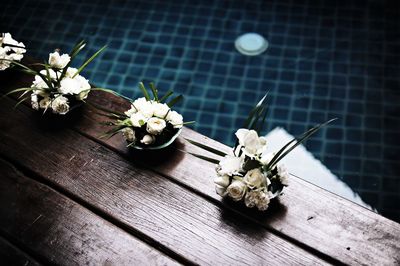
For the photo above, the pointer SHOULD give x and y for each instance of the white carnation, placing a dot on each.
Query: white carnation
(9, 53)
(34, 101)
(263, 201)
(251, 198)
(148, 139)
(175, 119)
(45, 102)
(60, 105)
(57, 61)
(155, 125)
(230, 165)
(283, 175)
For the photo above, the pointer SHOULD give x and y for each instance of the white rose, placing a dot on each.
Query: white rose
(222, 181)
(283, 175)
(175, 119)
(251, 198)
(230, 165)
(138, 119)
(160, 109)
(143, 106)
(45, 102)
(129, 134)
(251, 143)
(69, 86)
(220, 190)
(34, 101)
(155, 125)
(60, 105)
(8, 39)
(255, 178)
(57, 61)
(263, 201)
(236, 190)
(148, 139)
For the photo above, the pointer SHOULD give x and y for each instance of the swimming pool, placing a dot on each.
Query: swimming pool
(324, 60)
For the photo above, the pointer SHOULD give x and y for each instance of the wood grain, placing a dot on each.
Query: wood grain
(60, 231)
(338, 228)
(142, 201)
(11, 255)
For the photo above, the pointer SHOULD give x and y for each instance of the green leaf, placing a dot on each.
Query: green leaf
(20, 89)
(205, 158)
(175, 101)
(144, 91)
(75, 51)
(254, 111)
(82, 67)
(141, 122)
(21, 101)
(154, 91)
(285, 150)
(166, 96)
(207, 148)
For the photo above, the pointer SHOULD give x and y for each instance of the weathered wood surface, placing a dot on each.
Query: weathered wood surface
(11, 255)
(59, 231)
(147, 204)
(317, 218)
(307, 215)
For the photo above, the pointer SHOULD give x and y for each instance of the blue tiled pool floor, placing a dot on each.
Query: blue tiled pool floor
(325, 60)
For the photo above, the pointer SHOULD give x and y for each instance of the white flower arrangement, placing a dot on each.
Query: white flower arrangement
(149, 123)
(250, 174)
(10, 50)
(58, 87)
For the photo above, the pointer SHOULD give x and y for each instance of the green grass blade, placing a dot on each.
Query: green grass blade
(21, 101)
(144, 91)
(175, 101)
(207, 148)
(205, 158)
(283, 152)
(166, 96)
(154, 91)
(82, 67)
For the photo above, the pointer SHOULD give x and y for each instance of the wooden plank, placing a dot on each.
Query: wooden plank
(11, 255)
(60, 231)
(312, 215)
(160, 210)
(308, 214)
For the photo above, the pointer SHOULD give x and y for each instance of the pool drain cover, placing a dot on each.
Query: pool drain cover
(251, 44)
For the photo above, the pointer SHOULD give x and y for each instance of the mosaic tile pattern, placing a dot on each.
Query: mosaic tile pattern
(325, 60)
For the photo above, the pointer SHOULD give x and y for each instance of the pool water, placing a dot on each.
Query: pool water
(324, 60)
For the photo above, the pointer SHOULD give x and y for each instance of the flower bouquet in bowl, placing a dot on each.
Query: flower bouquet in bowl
(58, 87)
(248, 173)
(10, 51)
(150, 123)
